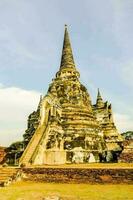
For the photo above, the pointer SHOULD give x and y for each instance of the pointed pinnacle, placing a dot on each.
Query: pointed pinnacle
(99, 99)
(67, 55)
(99, 95)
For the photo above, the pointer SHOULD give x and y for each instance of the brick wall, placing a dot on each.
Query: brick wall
(74, 175)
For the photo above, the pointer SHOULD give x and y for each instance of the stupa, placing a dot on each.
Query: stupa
(67, 128)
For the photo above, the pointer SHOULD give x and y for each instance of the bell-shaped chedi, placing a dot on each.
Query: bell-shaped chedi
(68, 129)
(104, 115)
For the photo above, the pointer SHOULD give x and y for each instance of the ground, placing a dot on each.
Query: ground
(38, 191)
(25, 190)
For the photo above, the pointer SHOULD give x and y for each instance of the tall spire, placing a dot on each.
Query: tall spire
(99, 101)
(67, 55)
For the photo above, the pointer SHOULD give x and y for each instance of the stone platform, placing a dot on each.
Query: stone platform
(80, 174)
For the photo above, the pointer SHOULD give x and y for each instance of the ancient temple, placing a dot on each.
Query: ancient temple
(67, 128)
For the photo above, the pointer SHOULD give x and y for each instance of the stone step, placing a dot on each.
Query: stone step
(75, 112)
(8, 175)
(80, 122)
(74, 117)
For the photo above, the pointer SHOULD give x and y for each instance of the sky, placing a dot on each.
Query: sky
(31, 37)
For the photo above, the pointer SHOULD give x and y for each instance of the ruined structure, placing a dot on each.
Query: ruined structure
(67, 128)
(2, 154)
(127, 154)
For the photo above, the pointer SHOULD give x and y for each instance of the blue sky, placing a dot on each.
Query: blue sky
(31, 37)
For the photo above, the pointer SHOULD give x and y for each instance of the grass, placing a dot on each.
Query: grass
(38, 191)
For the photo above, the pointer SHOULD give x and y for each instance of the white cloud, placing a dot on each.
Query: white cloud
(127, 73)
(123, 122)
(15, 106)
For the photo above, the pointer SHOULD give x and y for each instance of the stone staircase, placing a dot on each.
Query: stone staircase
(9, 175)
(26, 156)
